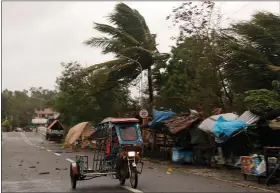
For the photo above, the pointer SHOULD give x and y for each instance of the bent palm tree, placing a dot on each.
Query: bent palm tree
(132, 43)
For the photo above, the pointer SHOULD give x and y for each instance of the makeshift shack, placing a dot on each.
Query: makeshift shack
(230, 137)
(80, 132)
(170, 132)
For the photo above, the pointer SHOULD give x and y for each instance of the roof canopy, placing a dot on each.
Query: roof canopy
(81, 130)
(120, 120)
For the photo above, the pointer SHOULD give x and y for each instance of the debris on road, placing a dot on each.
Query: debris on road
(42, 173)
(57, 169)
(169, 169)
(32, 167)
(20, 165)
(38, 162)
(65, 169)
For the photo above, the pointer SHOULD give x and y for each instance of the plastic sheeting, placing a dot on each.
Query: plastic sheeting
(208, 124)
(161, 116)
(227, 127)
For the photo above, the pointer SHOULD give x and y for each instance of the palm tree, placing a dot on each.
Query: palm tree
(133, 45)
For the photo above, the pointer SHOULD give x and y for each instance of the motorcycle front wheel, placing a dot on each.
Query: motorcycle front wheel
(133, 178)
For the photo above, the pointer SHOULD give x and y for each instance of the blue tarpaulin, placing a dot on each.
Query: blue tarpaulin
(161, 116)
(225, 127)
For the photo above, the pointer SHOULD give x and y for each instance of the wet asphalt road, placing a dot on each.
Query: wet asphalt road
(30, 164)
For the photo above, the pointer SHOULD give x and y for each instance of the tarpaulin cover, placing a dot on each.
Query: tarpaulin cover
(225, 127)
(161, 116)
(79, 131)
(208, 124)
(180, 122)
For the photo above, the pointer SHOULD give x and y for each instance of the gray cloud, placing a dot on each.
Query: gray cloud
(38, 36)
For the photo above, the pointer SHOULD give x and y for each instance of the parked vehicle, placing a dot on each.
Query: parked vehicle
(55, 131)
(18, 130)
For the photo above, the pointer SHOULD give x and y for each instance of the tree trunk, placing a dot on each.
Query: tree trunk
(150, 85)
(224, 87)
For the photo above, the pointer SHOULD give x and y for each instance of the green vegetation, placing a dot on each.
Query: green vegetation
(18, 106)
(6, 125)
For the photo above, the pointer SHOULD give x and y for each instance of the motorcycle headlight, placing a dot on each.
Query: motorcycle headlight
(131, 154)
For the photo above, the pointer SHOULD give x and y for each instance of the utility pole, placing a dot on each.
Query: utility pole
(141, 78)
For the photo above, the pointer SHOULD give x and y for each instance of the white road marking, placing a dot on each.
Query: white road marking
(42, 133)
(132, 189)
(68, 159)
(57, 154)
(49, 150)
(25, 139)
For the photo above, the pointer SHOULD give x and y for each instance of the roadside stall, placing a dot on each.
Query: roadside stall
(232, 136)
(79, 135)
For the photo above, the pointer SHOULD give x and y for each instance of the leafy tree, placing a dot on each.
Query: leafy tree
(190, 78)
(6, 101)
(217, 66)
(18, 106)
(253, 48)
(42, 98)
(132, 43)
(263, 98)
(6, 125)
(195, 70)
(81, 98)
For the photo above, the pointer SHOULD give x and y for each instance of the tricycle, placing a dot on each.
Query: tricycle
(118, 153)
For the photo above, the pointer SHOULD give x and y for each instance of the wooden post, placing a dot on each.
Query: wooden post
(154, 141)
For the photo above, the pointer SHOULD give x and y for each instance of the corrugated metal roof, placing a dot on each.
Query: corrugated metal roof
(248, 117)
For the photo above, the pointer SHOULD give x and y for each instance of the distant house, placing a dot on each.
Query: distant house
(43, 117)
(46, 113)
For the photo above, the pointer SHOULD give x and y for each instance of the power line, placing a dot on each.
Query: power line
(241, 8)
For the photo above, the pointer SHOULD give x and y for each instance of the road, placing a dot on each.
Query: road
(29, 164)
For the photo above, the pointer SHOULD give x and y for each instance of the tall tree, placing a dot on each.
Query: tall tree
(253, 48)
(81, 98)
(133, 45)
(18, 106)
(195, 70)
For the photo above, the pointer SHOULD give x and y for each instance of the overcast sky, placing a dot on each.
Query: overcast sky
(38, 36)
